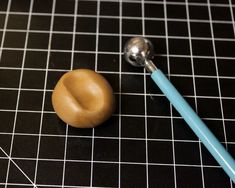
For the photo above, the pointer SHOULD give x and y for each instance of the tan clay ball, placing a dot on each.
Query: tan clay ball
(83, 98)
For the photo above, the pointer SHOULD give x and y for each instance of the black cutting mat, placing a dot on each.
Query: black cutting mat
(145, 143)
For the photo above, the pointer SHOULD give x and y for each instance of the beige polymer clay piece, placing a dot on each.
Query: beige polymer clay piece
(83, 98)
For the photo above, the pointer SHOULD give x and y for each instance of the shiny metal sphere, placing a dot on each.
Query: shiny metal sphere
(137, 50)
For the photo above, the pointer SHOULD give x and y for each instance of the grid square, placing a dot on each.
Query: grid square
(209, 108)
(35, 59)
(133, 151)
(182, 131)
(64, 7)
(107, 25)
(108, 43)
(159, 128)
(108, 62)
(187, 153)
(225, 48)
(132, 104)
(84, 60)
(110, 128)
(134, 7)
(61, 42)
(188, 176)
(176, 11)
(154, 10)
(179, 46)
(53, 78)
(27, 122)
(17, 22)
(222, 30)
(202, 47)
(30, 100)
(14, 39)
(106, 149)
(20, 5)
(85, 24)
(160, 152)
(60, 60)
(207, 86)
(85, 42)
(78, 148)
(62, 23)
(132, 83)
(161, 45)
(8, 99)
(52, 147)
(220, 13)
(42, 7)
(162, 172)
(194, 10)
(158, 106)
(228, 108)
(217, 176)
(132, 123)
(49, 167)
(109, 8)
(7, 121)
(9, 78)
(133, 175)
(177, 28)
(158, 29)
(200, 29)
(33, 79)
(25, 146)
(16, 176)
(226, 67)
(180, 65)
(87, 7)
(40, 22)
(11, 58)
(105, 175)
(72, 178)
(131, 26)
(204, 66)
(51, 124)
(38, 40)
(181, 82)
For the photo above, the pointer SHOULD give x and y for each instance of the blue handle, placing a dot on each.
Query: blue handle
(196, 124)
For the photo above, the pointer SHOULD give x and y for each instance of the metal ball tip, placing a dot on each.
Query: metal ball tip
(138, 51)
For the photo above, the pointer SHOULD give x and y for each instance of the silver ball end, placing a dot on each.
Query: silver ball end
(137, 50)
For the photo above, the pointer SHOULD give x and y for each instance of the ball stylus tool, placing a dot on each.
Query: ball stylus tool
(138, 52)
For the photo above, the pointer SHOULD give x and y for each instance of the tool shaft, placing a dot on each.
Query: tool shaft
(196, 124)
